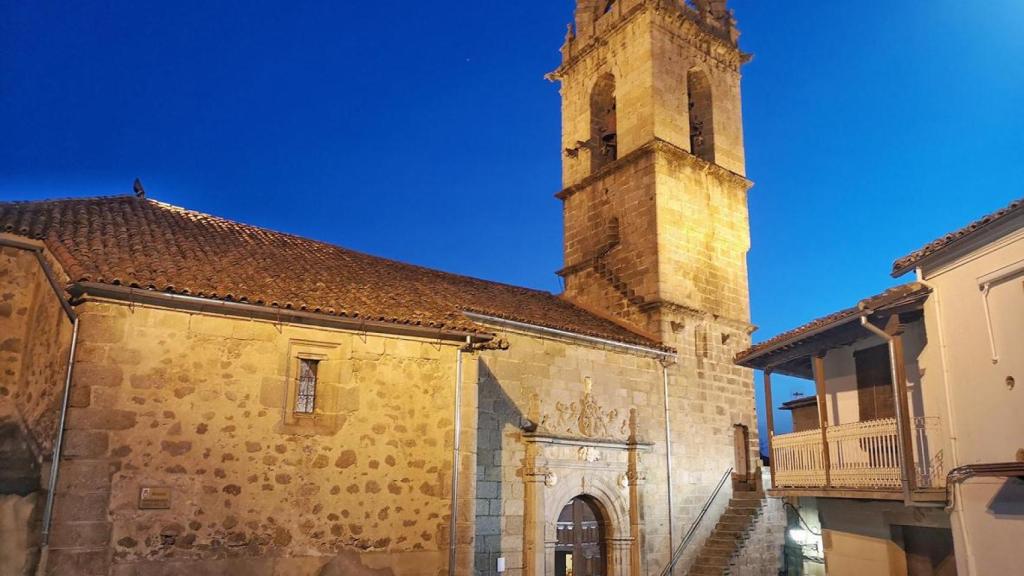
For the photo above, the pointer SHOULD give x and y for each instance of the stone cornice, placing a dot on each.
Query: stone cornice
(572, 55)
(727, 57)
(702, 315)
(727, 53)
(656, 145)
(586, 442)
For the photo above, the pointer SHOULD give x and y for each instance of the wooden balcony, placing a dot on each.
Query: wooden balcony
(890, 453)
(860, 459)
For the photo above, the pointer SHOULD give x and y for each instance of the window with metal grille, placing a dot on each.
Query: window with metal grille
(305, 392)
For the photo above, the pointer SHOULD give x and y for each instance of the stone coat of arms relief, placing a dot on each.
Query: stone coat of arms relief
(584, 418)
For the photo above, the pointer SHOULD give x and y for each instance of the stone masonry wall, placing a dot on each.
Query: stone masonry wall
(198, 404)
(617, 277)
(706, 400)
(708, 396)
(35, 336)
(19, 533)
(528, 382)
(703, 237)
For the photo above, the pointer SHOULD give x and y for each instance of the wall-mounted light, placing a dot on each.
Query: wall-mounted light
(809, 541)
(799, 535)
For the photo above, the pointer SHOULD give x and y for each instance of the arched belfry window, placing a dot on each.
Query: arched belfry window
(702, 124)
(603, 137)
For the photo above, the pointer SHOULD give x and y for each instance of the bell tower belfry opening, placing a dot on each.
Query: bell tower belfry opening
(653, 141)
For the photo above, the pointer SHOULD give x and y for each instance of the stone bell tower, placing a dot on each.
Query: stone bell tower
(655, 199)
(655, 209)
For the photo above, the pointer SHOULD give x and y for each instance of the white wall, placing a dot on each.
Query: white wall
(858, 539)
(987, 418)
(924, 384)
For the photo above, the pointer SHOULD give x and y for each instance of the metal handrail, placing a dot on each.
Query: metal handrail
(696, 523)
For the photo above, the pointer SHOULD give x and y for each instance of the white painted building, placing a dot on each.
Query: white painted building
(915, 466)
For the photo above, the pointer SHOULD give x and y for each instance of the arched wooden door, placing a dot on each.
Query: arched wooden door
(581, 540)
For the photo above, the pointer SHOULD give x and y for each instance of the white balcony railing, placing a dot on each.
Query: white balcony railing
(797, 459)
(862, 455)
(865, 454)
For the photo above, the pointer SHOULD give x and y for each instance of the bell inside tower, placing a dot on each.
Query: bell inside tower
(603, 137)
(702, 136)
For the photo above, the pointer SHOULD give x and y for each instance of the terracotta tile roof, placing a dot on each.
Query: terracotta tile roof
(908, 262)
(130, 241)
(891, 297)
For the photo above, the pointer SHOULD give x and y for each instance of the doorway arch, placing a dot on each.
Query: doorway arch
(581, 548)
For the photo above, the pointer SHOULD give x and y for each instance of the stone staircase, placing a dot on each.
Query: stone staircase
(729, 534)
(620, 286)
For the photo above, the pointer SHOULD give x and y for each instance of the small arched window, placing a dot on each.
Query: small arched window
(603, 136)
(702, 123)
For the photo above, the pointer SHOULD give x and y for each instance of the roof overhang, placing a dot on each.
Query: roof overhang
(274, 314)
(804, 402)
(565, 335)
(791, 353)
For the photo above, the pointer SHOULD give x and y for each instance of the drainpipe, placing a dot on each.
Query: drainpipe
(985, 289)
(668, 461)
(456, 449)
(58, 445)
(947, 383)
(908, 499)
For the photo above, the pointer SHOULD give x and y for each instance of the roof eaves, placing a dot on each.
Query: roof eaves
(804, 332)
(276, 313)
(907, 263)
(799, 403)
(893, 297)
(650, 348)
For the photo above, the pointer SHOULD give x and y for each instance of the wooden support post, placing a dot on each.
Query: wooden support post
(819, 381)
(899, 371)
(770, 420)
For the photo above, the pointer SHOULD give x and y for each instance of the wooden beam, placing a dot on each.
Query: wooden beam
(819, 381)
(895, 329)
(877, 494)
(770, 419)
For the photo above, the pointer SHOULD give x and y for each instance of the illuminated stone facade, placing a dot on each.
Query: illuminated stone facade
(184, 451)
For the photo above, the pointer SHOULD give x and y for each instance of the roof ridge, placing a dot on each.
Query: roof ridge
(68, 199)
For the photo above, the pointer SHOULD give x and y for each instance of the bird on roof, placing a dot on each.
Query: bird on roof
(140, 192)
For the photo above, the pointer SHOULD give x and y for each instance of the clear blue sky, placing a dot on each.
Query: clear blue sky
(426, 132)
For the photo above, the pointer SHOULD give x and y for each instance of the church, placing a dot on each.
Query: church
(182, 393)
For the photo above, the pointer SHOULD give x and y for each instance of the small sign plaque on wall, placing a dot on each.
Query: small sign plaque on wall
(154, 498)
